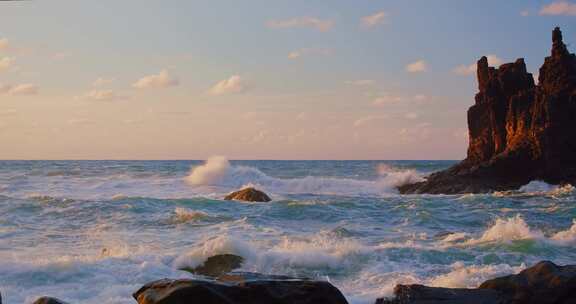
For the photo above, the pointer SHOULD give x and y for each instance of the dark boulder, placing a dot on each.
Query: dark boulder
(419, 294)
(518, 131)
(217, 265)
(239, 291)
(48, 300)
(543, 283)
(248, 195)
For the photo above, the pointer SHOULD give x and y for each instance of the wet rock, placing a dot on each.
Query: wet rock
(218, 265)
(239, 291)
(419, 294)
(48, 300)
(248, 195)
(544, 283)
(518, 131)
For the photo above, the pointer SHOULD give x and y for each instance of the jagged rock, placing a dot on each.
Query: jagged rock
(217, 265)
(239, 291)
(543, 283)
(248, 195)
(48, 300)
(518, 131)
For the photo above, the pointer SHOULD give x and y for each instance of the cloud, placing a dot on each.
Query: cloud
(4, 44)
(157, 81)
(411, 116)
(302, 22)
(387, 99)
(374, 20)
(20, 89)
(100, 82)
(6, 63)
(525, 13)
(234, 84)
(103, 95)
(421, 98)
(368, 120)
(563, 8)
(466, 70)
(361, 82)
(417, 67)
(310, 51)
(416, 133)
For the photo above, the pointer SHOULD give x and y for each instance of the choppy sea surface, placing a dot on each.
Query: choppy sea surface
(96, 231)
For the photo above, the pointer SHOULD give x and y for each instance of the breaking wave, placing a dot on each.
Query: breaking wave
(217, 171)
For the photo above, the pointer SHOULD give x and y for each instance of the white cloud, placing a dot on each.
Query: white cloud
(101, 81)
(371, 21)
(302, 22)
(361, 82)
(411, 116)
(4, 44)
(525, 13)
(466, 70)
(302, 116)
(309, 51)
(387, 99)
(368, 120)
(6, 63)
(417, 67)
(161, 80)
(564, 8)
(20, 89)
(103, 95)
(234, 84)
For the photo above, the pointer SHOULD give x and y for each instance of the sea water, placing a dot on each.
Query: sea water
(96, 231)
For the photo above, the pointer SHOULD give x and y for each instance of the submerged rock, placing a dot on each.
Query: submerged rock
(218, 265)
(544, 283)
(272, 291)
(248, 195)
(48, 300)
(518, 131)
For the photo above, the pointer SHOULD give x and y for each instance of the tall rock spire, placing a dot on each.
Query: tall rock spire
(558, 46)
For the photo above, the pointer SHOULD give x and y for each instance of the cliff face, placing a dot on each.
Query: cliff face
(518, 131)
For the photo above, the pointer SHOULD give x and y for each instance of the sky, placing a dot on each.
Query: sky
(255, 79)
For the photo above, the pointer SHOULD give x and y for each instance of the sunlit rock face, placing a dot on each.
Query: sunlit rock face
(518, 131)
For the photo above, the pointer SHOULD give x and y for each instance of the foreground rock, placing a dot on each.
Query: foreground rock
(48, 300)
(217, 265)
(544, 283)
(518, 131)
(239, 290)
(248, 195)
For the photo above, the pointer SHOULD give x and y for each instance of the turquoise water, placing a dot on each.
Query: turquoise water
(95, 231)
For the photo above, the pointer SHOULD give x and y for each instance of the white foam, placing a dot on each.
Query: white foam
(218, 172)
(566, 237)
(210, 173)
(542, 188)
(182, 215)
(471, 276)
(506, 230)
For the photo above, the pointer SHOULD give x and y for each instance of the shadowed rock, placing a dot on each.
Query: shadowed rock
(217, 265)
(272, 291)
(544, 283)
(248, 195)
(48, 300)
(518, 131)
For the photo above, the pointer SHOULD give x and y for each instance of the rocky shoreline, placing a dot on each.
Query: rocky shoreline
(543, 283)
(518, 131)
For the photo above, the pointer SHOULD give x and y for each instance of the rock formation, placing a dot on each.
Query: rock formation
(248, 195)
(278, 291)
(544, 283)
(518, 131)
(49, 300)
(217, 265)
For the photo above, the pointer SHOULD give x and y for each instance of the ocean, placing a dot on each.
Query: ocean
(96, 231)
